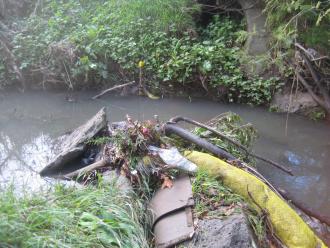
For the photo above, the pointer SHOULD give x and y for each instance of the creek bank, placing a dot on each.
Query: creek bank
(133, 137)
(301, 103)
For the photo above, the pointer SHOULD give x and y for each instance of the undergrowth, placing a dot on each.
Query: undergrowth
(93, 44)
(212, 199)
(69, 217)
(233, 126)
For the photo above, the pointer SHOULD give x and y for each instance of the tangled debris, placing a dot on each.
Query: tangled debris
(146, 152)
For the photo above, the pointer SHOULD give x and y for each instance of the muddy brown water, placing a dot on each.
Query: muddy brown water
(29, 122)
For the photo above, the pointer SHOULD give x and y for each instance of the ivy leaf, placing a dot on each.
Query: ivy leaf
(207, 66)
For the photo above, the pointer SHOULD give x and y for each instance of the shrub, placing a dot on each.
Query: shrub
(99, 43)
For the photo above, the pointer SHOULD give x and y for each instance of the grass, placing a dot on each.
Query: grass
(210, 195)
(69, 217)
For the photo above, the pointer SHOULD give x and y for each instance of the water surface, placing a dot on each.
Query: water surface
(29, 122)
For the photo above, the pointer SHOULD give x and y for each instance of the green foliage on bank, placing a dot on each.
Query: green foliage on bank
(99, 43)
(69, 217)
(304, 21)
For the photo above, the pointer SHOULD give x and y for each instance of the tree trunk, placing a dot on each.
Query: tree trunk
(257, 42)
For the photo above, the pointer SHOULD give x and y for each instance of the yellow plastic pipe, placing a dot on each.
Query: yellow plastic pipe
(288, 226)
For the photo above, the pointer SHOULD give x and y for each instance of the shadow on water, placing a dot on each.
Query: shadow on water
(30, 122)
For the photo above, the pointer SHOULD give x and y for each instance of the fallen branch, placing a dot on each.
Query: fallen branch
(76, 174)
(309, 89)
(245, 149)
(170, 128)
(317, 81)
(112, 89)
(325, 102)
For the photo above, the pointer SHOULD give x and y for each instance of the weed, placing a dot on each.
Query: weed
(232, 126)
(210, 195)
(317, 114)
(69, 217)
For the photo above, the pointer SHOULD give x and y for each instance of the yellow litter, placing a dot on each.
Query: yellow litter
(286, 223)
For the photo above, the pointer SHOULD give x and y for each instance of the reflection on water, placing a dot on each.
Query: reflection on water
(30, 122)
(20, 164)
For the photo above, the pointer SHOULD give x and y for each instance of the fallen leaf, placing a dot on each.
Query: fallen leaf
(167, 183)
(229, 210)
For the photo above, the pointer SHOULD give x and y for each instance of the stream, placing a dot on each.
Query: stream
(29, 123)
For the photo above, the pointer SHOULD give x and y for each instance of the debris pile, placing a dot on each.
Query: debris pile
(158, 158)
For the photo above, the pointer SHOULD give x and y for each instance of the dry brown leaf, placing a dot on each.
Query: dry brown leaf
(229, 210)
(167, 182)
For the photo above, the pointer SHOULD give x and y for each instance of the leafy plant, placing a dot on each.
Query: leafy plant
(231, 125)
(210, 195)
(99, 43)
(70, 217)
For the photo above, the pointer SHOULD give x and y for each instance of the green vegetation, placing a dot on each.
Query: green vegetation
(232, 126)
(68, 217)
(84, 44)
(317, 114)
(304, 21)
(210, 195)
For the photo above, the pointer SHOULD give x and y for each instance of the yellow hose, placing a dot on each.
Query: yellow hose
(286, 223)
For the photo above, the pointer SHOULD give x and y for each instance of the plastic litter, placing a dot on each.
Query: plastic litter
(174, 159)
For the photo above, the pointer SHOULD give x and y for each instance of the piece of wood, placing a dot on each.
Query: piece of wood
(76, 174)
(112, 89)
(74, 144)
(245, 149)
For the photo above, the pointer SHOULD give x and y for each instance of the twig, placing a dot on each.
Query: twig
(315, 77)
(112, 89)
(245, 149)
(67, 73)
(309, 89)
(82, 171)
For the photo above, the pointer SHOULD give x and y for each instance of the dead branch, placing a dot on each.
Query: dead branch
(309, 89)
(112, 89)
(245, 149)
(75, 143)
(76, 174)
(317, 81)
(170, 128)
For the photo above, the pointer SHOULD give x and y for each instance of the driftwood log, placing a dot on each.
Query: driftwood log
(74, 144)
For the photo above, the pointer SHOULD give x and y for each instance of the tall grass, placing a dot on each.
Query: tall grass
(68, 217)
